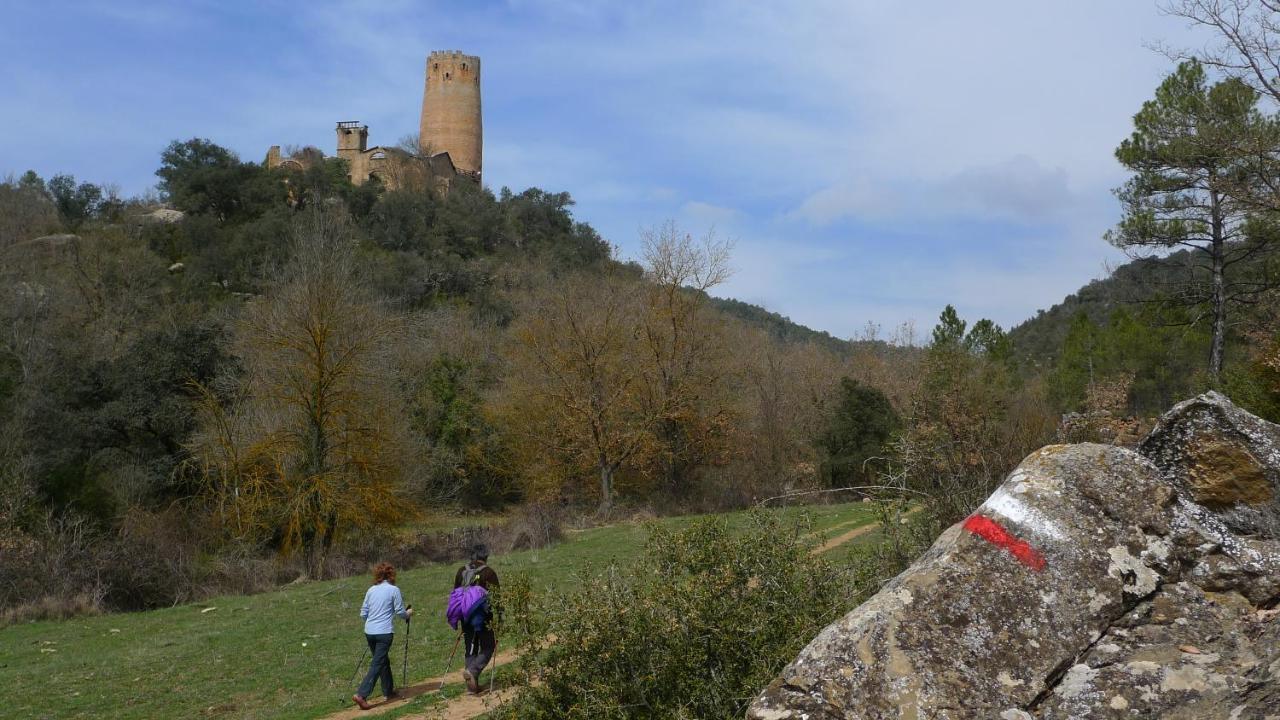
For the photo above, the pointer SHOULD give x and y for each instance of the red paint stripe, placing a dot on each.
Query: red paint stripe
(994, 533)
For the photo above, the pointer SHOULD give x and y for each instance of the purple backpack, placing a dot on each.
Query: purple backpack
(465, 599)
(462, 601)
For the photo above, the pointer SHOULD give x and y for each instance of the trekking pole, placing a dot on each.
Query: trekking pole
(494, 675)
(404, 668)
(355, 673)
(449, 663)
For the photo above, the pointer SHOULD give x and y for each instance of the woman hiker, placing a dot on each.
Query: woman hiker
(480, 642)
(382, 603)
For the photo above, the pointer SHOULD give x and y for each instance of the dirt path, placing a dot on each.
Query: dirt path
(468, 706)
(857, 532)
(833, 528)
(422, 687)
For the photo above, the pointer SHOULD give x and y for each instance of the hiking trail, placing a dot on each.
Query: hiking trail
(855, 533)
(419, 688)
(468, 706)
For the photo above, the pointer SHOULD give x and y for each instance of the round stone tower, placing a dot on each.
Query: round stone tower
(451, 109)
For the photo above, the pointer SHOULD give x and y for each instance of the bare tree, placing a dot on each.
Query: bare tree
(1247, 43)
(576, 390)
(311, 448)
(684, 343)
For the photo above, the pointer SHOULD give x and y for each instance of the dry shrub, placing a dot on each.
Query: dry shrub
(533, 526)
(1103, 418)
(50, 607)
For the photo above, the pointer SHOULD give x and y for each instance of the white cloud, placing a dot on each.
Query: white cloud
(856, 198)
(843, 142)
(706, 215)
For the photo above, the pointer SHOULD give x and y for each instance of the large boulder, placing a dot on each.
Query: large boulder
(1222, 458)
(1095, 582)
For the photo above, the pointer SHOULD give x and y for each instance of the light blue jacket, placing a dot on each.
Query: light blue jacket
(382, 603)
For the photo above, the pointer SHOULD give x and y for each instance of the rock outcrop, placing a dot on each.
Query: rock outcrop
(1095, 582)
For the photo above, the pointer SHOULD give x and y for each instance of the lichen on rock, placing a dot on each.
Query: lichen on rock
(1076, 590)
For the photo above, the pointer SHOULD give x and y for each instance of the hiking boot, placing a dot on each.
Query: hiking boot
(393, 695)
(360, 702)
(471, 681)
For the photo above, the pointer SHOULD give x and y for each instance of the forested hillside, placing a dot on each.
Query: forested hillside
(1132, 325)
(265, 372)
(271, 373)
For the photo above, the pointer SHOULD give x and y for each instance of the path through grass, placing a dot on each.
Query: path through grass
(284, 654)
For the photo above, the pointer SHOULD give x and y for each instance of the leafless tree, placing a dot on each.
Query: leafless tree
(311, 448)
(1247, 43)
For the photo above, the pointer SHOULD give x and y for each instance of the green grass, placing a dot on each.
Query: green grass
(284, 654)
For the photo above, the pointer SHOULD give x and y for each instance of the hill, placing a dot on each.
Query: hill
(1144, 332)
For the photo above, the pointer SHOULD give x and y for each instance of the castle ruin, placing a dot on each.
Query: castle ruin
(451, 110)
(450, 139)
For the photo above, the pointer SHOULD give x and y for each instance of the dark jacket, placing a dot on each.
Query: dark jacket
(486, 578)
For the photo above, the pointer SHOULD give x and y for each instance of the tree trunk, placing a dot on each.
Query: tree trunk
(606, 489)
(1217, 252)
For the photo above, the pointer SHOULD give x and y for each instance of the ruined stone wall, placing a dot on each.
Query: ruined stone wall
(451, 120)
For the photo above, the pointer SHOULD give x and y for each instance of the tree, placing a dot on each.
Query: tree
(576, 390)
(310, 449)
(685, 348)
(960, 437)
(1155, 352)
(858, 430)
(989, 339)
(199, 176)
(75, 203)
(1190, 158)
(26, 211)
(949, 332)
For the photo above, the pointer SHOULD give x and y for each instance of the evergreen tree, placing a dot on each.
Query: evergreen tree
(861, 425)
(1193, 154)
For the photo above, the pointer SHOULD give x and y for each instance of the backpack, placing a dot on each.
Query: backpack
(469, 602)
(471, 574)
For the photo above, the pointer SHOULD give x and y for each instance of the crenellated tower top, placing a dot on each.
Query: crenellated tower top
(451, 119)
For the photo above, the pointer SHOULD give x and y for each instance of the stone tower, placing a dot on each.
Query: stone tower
(451, 110)
(353, 138)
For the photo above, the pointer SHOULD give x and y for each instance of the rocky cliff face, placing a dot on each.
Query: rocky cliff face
(1095, 582)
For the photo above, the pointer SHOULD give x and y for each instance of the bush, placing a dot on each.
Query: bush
(706, 617)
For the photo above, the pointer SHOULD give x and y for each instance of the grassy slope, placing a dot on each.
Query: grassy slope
(246, 659)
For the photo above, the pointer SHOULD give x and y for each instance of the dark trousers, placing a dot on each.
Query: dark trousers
(480, 646)
(379, 666)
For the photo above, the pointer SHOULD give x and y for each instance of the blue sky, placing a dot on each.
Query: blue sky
(873, 161)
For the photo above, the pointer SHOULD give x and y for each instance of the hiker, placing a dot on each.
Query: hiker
(477, 630)
(382, 603)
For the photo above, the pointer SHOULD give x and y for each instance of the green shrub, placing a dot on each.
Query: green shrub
(703, 620)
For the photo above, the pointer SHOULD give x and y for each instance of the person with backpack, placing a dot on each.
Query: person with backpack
(477, 620)
(382, 603)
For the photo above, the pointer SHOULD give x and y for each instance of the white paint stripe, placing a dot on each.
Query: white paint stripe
(1004, 504)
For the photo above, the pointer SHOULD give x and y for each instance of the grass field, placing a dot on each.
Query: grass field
(284, 654)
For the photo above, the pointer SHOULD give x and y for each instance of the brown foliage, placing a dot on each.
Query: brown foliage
(619, 383)
(308, 445)
(575, 401)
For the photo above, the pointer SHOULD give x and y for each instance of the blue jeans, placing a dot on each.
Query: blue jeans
(379, 666)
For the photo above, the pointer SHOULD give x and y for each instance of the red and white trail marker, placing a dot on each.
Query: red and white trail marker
(996, 534)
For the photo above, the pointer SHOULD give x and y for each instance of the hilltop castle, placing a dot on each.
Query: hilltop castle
(450, 137)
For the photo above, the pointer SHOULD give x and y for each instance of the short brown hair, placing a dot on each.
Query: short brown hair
(384, 571)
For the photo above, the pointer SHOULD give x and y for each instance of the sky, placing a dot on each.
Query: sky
(871, 161)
